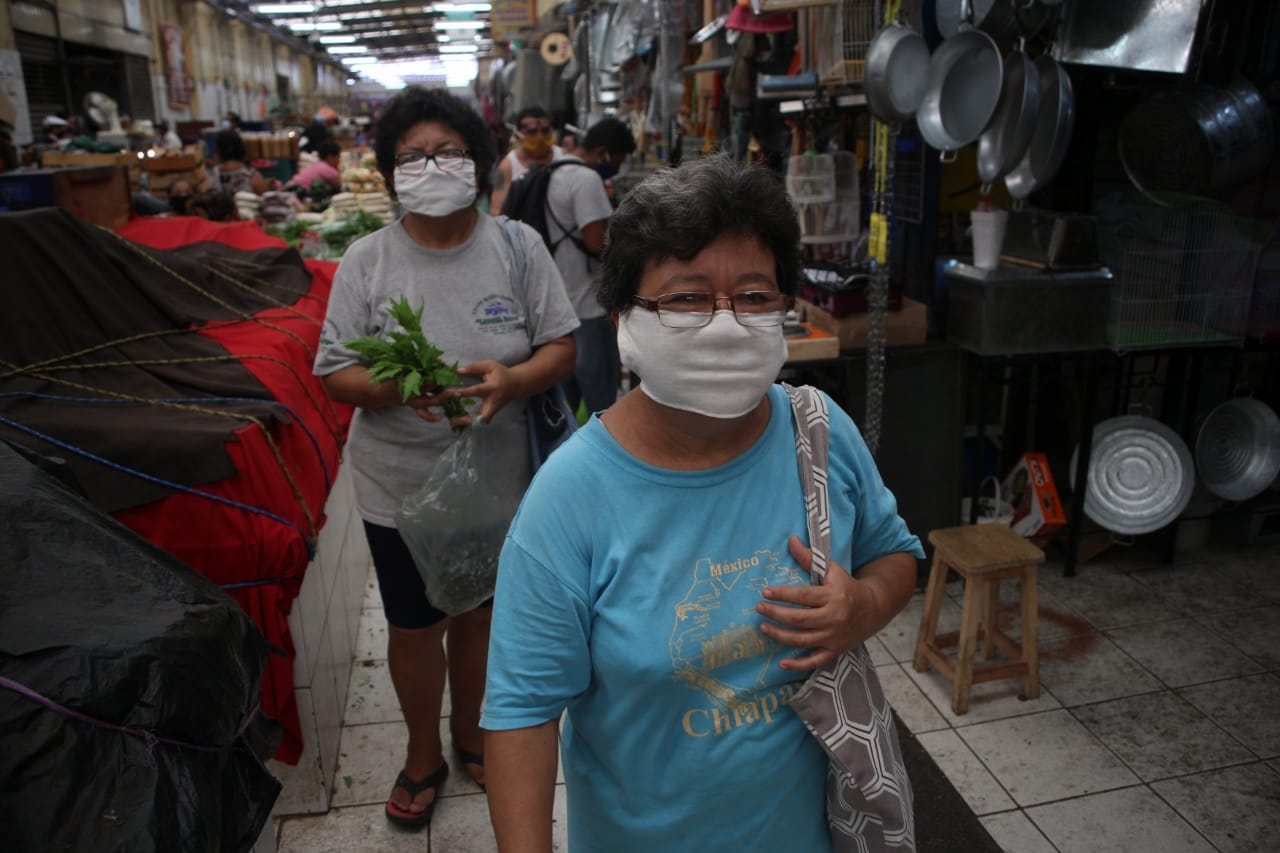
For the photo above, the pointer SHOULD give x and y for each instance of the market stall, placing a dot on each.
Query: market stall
(170, 364)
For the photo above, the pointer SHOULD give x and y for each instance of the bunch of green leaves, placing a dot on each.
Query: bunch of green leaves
(408, 358)
(291, 232)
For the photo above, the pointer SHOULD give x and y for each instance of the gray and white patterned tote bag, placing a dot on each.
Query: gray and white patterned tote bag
(842, 704)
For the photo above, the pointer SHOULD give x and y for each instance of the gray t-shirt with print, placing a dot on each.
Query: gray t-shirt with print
(576, 197)
(471, 314)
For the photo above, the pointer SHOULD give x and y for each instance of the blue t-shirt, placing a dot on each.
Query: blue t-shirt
(626, 595)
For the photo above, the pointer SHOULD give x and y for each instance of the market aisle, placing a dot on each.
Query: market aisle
(369, 755)
(1155, 728)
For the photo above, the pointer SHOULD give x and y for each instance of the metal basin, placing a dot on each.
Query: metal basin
(1140, 475)
(1238, 449)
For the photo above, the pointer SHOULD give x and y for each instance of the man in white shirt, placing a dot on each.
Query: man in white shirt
(578, 215)
(535, 146)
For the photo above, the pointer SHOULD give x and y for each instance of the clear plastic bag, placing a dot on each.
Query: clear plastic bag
(454, 526)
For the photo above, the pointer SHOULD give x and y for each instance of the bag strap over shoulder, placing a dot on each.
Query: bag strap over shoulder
(813, 421)
(518, 265)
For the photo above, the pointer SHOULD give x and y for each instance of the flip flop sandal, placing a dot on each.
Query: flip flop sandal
(474, 758)
(410, 819)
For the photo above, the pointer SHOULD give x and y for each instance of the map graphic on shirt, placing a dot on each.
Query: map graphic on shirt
(716, 646)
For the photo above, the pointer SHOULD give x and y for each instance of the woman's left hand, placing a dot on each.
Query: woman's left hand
(830, 618)
(497, 387)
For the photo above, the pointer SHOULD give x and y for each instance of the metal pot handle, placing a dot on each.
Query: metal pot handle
(947, 156)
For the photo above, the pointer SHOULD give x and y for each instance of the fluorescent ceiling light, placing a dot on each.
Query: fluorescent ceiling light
(285, 8)
(461, 7)
(315, 26)
(458, 48)
(337, 39)
(359, 61)
(461, 25)
(348, 48)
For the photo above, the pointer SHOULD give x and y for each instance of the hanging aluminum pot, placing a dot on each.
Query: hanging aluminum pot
(966, 78)
(896, 73)
(1004, 143)
(1238, 449)
(1197, 140)
(1001, 19)
(1140, 475)
(1055, 122)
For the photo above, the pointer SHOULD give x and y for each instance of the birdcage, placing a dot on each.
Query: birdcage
(1184, 272)
(840, 34)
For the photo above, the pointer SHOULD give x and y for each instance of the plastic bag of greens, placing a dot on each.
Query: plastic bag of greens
(454, 526)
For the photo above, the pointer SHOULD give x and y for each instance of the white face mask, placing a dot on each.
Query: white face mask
(436, 192)
(720, 370)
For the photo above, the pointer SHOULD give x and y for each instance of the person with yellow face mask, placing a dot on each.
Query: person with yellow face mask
(534, 146)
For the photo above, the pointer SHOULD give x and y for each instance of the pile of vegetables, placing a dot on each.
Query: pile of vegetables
(408, 358)
(327, 240)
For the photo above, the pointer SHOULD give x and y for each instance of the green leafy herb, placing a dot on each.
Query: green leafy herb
(410, 360)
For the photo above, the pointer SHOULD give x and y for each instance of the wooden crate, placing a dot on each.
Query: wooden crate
(81, 159)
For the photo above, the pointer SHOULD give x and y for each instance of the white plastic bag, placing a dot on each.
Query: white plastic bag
(454, 526)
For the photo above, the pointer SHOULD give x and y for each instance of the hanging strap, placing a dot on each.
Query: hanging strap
(813, 420)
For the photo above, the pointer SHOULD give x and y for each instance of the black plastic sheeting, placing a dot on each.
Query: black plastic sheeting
(97, 620)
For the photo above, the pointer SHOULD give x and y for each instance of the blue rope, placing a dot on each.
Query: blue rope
(159, 481)
(113, 401)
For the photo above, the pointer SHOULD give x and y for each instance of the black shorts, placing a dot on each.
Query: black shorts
(404, 595)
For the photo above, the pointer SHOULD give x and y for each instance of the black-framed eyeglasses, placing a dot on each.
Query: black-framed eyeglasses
(448, 160)
(693, 310)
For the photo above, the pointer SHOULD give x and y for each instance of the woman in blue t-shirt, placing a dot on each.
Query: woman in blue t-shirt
(653, 585)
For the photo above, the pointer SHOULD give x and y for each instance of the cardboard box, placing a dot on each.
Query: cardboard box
(1037, 509)
(908, 327)
(813, 345)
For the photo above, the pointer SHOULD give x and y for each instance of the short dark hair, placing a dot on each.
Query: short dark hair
(415, 105)
(213, 205)
(614, 134)
(676, 213)
(328, 148)
(530, 112)
(229, 145)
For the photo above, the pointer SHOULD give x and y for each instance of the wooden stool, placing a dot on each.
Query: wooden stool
(983, 555)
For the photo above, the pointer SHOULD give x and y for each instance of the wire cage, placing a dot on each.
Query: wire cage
(840, 35)
(1184, 272)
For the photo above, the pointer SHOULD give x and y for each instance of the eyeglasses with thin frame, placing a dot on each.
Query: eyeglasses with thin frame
(693, 310)
(448, 160)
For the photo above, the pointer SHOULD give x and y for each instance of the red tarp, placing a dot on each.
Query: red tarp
(235, 546)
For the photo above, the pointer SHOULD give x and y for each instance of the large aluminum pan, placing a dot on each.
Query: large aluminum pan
(966, 77)
(1238, 449)
(897, 73)
(1006, 140)
(1140, 475)
(1055, 122)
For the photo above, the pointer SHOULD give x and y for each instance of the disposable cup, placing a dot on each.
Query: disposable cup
(988, 237)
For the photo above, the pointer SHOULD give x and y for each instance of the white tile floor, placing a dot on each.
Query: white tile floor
(1156, 730)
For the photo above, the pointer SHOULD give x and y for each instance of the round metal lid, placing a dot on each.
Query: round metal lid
(1238, 449)
(1140, 475)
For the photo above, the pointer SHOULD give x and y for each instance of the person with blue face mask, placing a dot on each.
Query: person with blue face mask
(443, 255)
(579, 209)
(654, 588)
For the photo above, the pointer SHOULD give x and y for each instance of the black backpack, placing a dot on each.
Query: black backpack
(527, 202)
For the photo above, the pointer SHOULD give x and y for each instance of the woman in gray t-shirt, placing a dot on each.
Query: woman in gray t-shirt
(436, 154)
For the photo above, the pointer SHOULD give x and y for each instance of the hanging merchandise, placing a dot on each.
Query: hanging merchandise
(878, 247)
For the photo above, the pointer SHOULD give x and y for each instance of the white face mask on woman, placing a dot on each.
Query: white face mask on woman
(435, 192)
(720, 370)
